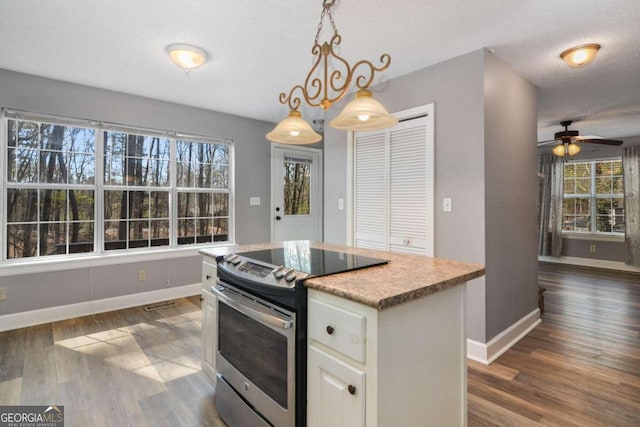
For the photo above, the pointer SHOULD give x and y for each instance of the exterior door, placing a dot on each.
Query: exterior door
(295, 193)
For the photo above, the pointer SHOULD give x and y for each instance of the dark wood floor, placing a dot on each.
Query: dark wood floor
(580, 367)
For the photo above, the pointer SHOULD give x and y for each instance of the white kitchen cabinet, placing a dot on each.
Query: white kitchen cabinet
(411, 371)
(336, 390)
(209, 307)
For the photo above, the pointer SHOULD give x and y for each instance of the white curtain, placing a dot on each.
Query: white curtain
(631, 166)
(550, 197)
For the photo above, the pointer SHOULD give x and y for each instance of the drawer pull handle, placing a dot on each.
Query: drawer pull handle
(208, 276)
(330, 330)
(352, 389)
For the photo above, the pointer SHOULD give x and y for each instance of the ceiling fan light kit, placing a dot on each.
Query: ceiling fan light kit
(566, 141)
(330, 86)
(579, 56)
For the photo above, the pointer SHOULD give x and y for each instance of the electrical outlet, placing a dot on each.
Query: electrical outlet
(592, 248)
(142, 275)
(3, 294)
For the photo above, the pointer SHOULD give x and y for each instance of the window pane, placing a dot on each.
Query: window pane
(138, 234)
(583, 170)
(610, 215)
(81, 237)
(583, 186)
(221, 204)
(221, 229)
(570, 186)
(296, 188)
(22, 240)
(81, 204)
(159, 204)
(22, 205)
(81, 168)
(23, 165)
(53, 205)
(618, 185)
(114, 170)
(576, 215)
(53, 238)
(186, 205)
(604, 185)
(138, 204)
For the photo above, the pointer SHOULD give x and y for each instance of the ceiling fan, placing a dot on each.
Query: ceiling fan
(566, 141)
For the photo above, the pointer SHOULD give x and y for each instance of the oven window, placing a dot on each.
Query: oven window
(256, 350)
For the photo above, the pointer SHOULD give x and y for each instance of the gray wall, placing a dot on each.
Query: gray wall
(252, 173)
(605, 250)
(468, 94)
(510, 195)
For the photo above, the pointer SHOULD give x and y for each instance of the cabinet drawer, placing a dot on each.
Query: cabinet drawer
(209, 275)
(342, 330)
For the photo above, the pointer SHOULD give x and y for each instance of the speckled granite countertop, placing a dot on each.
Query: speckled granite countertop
(404, 278)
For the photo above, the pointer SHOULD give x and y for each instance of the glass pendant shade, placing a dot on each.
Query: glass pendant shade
(294, 130)
(363, 113)
(562, 150)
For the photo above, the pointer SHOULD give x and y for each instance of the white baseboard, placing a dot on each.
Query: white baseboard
(487, 353)
(589, 262)
(53, 314)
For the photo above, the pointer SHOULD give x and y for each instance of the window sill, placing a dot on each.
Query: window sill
(15, 268)
(598, 237)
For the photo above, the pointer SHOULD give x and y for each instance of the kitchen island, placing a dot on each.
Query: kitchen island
(386, 345)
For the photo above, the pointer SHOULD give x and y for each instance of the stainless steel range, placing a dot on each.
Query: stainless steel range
(261, 327)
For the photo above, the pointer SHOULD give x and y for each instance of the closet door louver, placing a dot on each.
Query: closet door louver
(408, 210)
(394, 188)
(370, 221)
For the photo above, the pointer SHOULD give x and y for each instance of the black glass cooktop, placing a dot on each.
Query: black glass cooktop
(315, 262)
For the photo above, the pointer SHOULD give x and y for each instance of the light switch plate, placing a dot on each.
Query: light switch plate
(340, 204)
(446, 204)
(254, 201)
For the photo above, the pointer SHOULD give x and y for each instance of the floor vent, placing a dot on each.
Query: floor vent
(159, 305)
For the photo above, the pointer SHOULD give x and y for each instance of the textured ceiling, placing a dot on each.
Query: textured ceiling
(259, 48)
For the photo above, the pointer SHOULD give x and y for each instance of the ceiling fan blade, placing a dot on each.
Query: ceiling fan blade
(550, 142)
(583, 137)
(603, 141)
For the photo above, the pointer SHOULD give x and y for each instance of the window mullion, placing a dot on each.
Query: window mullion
(98, 215)
(173, 194)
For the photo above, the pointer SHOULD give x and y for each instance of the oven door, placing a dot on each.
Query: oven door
(256, 354)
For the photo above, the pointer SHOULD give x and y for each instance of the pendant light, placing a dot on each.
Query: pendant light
(294, 130)
(323, 87)
(363, 113)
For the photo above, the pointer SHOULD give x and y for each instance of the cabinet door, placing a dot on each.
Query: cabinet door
(209, 273)
(335, 392)
(209, 334)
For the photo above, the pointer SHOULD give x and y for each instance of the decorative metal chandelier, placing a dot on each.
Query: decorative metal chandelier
(363, 113)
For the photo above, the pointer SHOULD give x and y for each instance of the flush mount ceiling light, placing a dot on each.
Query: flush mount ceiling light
(580, 56)
(329, 87)
(186, 56)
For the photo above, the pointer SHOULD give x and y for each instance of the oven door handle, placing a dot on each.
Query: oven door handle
(257, 312)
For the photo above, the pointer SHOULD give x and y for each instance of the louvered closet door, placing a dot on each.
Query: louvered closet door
(394, 188)
(408, 188)
(370, 220)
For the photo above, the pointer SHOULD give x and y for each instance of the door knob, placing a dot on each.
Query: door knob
(278, 217)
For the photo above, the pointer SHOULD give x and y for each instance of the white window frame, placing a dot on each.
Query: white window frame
(593, 234)
(64, 261)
